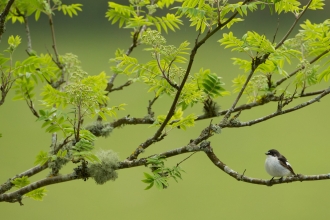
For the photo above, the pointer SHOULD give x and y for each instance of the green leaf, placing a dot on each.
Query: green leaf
(158, 184)
(37, 194)
(231, 41)
(150, 186)
(14, 41)
(41, 158)
(120, 13)
(287, 6)
(324, 75)
(70, 9)
(162, 23)
(21, 182)
(148, 176)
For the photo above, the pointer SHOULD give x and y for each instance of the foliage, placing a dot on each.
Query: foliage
(84, 94)
(37, 194)
(309, 42)
(177, 120)
(83, 149)
(22, 9)
(163, 73)
(160, 174)
(135, 16)
(23, 76)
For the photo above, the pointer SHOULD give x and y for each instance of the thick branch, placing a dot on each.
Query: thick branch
(241, 177)
(131, 121)
(3, 16)
(34, 170)
(17, 195)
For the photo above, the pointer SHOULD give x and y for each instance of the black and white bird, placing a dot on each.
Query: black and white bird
(277, 165)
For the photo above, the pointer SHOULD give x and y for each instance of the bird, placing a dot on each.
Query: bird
(277, 165)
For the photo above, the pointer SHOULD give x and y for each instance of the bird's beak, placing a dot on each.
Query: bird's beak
(266, 153)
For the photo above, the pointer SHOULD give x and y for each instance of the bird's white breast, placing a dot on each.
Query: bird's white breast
(274, 168)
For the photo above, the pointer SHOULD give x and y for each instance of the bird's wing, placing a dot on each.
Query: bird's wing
(286, 164)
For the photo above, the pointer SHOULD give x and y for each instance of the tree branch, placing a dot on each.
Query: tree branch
(37, 169)
(171, 153)
(28, 35)
(3, 16)
(229, 111)
(17, 195)
(34, 170)
(277, 113)
(128, 52)
(27, 30)
(51, 23)
(129, 82)
(293, 25)
(280, 81)
(149, 108)
(147, 120)
(30, 104)
(241, 177)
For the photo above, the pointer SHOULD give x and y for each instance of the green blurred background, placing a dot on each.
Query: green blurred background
(205, 192)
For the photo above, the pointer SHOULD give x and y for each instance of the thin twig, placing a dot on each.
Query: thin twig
(277, 113)
(31, 106)
(129, 82)
(280, 81)
(185, 159)
(293, 25)
(278, 24)
(149, 108)
(127, 53)
(51, 23)
(243, 174)
(311, 93)
(227, 115)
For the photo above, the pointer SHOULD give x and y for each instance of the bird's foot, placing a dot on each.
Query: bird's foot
(270, 182)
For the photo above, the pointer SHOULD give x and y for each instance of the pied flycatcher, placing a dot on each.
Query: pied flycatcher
(277, 165)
